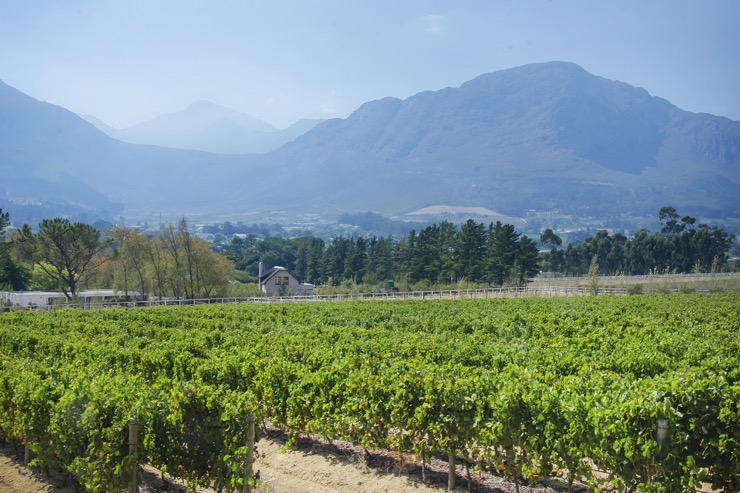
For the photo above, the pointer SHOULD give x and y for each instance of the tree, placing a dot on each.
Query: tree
(669, 216)
(211, 271)
(554, 260)
(593, 276)
(12, 274)
(131, 259)
(672, 227)
(502, 251)
(187, 265)
(470, 249)
(527, 260)
(549, 239)
(425, 262)
(354, 266)
(172, 241)
(4, 222)
(333, 262)
(65, 251)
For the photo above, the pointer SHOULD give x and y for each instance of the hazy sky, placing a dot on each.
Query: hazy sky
(130, 60)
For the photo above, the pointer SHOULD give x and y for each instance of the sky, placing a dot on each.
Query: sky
(127, 61)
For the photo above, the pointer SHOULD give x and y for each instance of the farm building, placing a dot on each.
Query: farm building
(46, 298)
(281, 281)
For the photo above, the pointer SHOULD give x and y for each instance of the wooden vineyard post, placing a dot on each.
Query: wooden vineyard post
(661, 438)
(451, 473)
(133, 451)
(27, 453)
(250, 455)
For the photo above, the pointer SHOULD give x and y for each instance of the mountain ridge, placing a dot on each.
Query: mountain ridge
(206, 126)
(542, 136)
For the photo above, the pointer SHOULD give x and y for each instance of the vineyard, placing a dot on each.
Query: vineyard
(639, 393)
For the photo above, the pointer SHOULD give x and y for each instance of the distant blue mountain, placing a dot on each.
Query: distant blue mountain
(543, 136)
(55, 163)
(205, 126)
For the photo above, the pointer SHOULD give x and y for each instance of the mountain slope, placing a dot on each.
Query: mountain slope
(50, 156)
(205, 126)
(543, 136)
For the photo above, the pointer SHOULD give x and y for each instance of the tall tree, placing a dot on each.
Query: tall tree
(65, 251)
(4, 222)
(379, 266)
(425, 262)
(527, 261)
(172, 239)
(502, 250)
(470, 250)
(131, 259)
(548, 238)
(554, 260)
(669, 216)
(354, 266)
(211, 271)
(335, 259)
(12, 274)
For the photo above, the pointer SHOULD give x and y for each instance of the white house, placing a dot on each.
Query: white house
(281, 281)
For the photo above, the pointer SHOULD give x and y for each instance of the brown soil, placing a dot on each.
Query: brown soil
(307, 467)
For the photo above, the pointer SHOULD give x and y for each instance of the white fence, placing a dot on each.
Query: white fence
(533, 289)
(514, 292)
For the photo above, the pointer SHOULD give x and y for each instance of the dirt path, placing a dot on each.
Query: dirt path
(297, 470)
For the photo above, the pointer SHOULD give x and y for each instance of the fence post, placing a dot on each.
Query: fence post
(451, 472)
(27, 452)
(133, 452)
(250, 455)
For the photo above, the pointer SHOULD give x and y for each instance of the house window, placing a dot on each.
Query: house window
(278, 279)
(286, 280)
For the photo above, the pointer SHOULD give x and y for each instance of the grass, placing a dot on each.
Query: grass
(669, 283)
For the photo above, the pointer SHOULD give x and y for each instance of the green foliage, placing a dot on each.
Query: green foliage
(527, 386)
(436, 254)
(4, 222)
(677, 248)
(173, 263)
(593, 277)
(13, 276)
(496, 255)
(64, 250)
(635, 289)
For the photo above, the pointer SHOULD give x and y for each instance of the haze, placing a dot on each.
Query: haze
(128, 61)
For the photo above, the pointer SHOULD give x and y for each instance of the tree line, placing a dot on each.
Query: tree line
(70, 256)
(495, 254)
(65, 256)
(679, 247)
(440, 253)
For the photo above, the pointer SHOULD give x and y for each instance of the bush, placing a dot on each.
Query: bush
(635, 289)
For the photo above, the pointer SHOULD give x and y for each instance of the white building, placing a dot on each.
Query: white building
(281, 281)
(46, 298)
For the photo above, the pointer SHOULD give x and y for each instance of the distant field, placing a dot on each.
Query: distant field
(452, 209)
(654, 283)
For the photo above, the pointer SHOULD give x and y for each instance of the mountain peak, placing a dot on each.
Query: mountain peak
(202, 103)
(546, 137)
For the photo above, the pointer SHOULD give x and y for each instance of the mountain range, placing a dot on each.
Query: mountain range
(205, 126)
(545, 136)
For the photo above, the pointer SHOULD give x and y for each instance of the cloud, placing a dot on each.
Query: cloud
(434, 23)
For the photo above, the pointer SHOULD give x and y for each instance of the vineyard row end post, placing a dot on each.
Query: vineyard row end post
(133, 450)
(248, 474)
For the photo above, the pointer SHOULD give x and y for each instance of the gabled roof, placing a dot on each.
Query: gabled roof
(271, 272)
